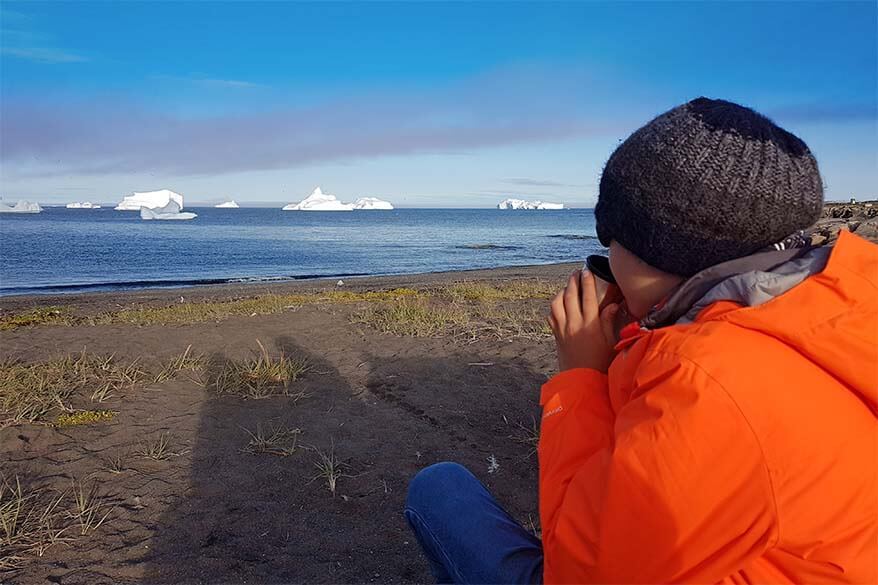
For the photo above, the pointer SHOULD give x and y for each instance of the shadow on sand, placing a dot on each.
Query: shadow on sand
(270, 519)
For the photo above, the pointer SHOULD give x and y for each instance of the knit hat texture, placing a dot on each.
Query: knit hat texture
(706, 182)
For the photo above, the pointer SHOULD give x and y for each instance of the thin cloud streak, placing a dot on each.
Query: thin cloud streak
(43, 54)
(52, 139)
(537, 183)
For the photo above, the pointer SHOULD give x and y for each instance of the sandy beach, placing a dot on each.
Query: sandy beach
(267, 432)
(263, 433)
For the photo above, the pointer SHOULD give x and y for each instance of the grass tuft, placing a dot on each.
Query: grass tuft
(186, 361)
(89, 508)
(260, 376)
(329, 468)
(273, 440)
(157, 449)
(30, 392)
(33, 519)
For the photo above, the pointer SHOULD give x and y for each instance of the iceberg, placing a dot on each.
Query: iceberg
(522, 204)
(372, 203)
(319, 201)
(21, 207)
(83, 205)
(150, 200)
(170, 211)
(231, 204)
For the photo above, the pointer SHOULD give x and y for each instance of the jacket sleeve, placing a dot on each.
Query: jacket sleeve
(673, 488)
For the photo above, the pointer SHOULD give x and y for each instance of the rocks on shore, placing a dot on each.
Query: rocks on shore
(859, 218)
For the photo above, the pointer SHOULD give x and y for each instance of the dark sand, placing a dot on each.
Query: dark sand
(389, 406)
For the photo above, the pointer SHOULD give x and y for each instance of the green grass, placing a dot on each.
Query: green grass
(260, 376)
(184, 313)
(513, 290)
(40, 316)
(489, 319)
(414, 317)
(83, 417)
(31, 392)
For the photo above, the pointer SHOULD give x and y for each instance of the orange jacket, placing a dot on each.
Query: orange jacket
(737, 445)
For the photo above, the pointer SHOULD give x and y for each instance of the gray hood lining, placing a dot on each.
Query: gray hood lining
(749, 281)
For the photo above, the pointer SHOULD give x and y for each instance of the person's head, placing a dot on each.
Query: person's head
(706, 182)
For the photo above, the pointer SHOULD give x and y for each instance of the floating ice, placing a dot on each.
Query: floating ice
(372, 203)
(83, 205)
(170, 211)
(522, 204)
(319, 201)
(227, 205)
(150, 200)
(21, 207)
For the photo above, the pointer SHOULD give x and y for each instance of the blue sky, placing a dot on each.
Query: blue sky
(425, 104)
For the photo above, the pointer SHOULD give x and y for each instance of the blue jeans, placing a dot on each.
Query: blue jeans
(465, 534)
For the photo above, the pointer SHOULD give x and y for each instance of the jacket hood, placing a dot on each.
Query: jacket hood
(822, 301)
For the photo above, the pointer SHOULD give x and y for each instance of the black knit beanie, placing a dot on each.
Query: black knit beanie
(706, 182)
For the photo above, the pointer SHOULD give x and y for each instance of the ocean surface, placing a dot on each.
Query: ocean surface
(78, 250)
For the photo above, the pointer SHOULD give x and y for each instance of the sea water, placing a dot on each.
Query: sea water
(77, 250)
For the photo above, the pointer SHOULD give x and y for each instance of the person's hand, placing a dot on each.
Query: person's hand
(584, 334)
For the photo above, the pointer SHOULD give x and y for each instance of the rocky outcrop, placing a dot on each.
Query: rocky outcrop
(859, 218)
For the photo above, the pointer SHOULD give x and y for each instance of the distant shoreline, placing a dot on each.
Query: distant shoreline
(217, 291)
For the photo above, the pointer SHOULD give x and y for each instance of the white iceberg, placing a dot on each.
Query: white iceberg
(372, 203)
(21, 207)
(150, 200)
(522, 204)
(170, 211)
(231, 204)
(319, 201)
(83, 205)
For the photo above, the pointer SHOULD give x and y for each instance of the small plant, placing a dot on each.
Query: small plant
(329, 468)
(261, 376)
(530, 436)
(275, 440)
(493, 464)
(158, 449)
(83, 417)
(186, 361)
(88, 509)
(116, 465)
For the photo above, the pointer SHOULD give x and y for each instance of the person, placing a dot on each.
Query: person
(729, 432)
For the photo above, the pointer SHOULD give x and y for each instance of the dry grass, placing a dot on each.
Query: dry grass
(513, 290)
(260, 376)
(272, 440)
(89, 510)
(183, 313)
(329, 468)
(528, 435)
(33, 519)
(186, 361)
(30, 392)
(467, 320)
(40, 316)
(157, 449)
(414, 317)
